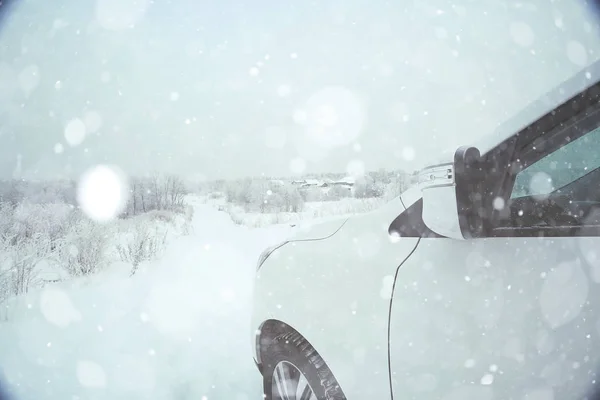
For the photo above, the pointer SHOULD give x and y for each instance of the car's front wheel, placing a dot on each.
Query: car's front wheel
(293, 370)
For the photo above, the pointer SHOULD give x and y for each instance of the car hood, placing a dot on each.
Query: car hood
(319, 230)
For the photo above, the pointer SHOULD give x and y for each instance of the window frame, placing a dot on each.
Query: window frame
(560, 137)
(558, 127)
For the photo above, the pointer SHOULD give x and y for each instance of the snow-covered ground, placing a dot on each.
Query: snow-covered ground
(178, 329)
(312, 211)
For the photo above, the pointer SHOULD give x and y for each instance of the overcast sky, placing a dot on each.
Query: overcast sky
(230, 88)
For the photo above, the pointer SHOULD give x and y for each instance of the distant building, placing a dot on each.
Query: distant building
(348, 180)
(306, 183)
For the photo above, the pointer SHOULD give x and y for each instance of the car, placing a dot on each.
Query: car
(479, 282)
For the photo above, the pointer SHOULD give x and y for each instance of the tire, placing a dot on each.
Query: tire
(290, 355)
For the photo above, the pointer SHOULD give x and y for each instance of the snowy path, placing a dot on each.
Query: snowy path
(179, 329)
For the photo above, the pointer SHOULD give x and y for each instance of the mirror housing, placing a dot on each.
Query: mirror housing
(452, 198)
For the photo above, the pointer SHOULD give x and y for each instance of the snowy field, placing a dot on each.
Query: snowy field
(178, 329)
(312, 211)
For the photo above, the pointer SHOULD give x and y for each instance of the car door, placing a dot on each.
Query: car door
(514, 314)
(336, 291)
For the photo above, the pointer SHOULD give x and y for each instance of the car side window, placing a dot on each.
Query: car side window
(560, 168)
(556, 182)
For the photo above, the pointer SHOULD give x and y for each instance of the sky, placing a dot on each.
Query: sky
(232, 88)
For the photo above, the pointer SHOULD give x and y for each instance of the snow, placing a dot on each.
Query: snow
(350, 180)
(90, 374)
(522, 34)
(313, 212)
(577, 53)
(487, 379)
(299, 116)
(102, 193)
(408, 153)
(387, 287)
(498, 203)
(92, 121)
(335, 116)
(75, 132)
(275, 137)
(540, 185)
(297, 165)
(117, 15)
(356, 168)
(312, 182)
(283, 90)
(569, 279)
(177, 329)
(29, 79)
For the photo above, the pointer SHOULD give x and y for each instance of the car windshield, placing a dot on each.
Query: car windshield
(181, 179)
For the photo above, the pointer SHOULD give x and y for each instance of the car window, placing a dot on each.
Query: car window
(560, 168)
(557, 193)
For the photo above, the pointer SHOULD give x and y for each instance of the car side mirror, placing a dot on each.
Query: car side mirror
(452, 201)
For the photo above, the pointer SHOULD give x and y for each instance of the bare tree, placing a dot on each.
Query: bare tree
(156, 192)
(175, 192)
(18, 262)
(141, 244)
(83, 249)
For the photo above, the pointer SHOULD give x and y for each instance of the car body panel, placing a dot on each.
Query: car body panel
(411, 196)
(336, 293)
(502, 318)
(493, 318)
(319, 230)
